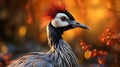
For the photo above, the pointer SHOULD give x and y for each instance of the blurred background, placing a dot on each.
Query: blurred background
(21, 30)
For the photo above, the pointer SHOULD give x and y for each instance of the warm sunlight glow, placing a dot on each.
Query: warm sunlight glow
(4, 49)
(95, 2)
(22, 31)
(96, 14)
(69, 35)
(108, 5)
(100, 13)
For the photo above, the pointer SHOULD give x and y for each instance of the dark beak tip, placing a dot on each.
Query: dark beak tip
(77, 24)
(88, 28)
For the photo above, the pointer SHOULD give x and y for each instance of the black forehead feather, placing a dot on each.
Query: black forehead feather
(68, 14)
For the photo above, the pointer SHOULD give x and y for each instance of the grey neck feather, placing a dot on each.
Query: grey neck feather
(60, 51)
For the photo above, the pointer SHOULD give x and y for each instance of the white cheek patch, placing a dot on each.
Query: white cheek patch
(58, 23)
(61, 14)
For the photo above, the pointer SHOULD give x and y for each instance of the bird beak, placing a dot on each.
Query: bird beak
(77, 24)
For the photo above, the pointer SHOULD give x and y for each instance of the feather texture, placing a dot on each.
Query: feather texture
(62, 56)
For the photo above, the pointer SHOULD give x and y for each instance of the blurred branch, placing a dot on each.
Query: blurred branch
(113, 10)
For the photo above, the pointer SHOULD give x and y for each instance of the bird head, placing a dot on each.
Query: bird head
(66, 20)
(60, 18)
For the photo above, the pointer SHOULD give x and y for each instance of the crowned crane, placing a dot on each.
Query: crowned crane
(60, 54)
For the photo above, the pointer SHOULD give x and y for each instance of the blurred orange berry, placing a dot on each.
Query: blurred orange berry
(88, 54)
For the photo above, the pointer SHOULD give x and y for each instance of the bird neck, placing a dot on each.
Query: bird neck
(54, 34)
(60, 48)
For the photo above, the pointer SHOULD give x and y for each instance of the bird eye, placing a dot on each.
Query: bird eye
(63, 18)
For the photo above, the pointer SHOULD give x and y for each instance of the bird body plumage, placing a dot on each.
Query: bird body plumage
(60, 54)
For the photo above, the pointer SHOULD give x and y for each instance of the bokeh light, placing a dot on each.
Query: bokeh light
(22, 31)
